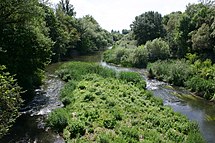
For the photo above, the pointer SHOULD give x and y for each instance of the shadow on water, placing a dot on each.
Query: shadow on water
(30, 126)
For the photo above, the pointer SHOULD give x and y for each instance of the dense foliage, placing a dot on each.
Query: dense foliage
(147, 26)
(101, 108)
(25, 47)
(10, 100)
(140, 56)
(198, 76)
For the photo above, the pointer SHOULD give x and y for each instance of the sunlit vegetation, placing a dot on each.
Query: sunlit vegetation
(198, 76)
(101, 105)
(154, 50)
(10, 101)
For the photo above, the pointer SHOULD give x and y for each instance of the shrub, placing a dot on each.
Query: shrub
(206, 88)
(174, 71)
(76, 128)
(157, 50)
(134, 77)
(10, 100)
(139, 57)
(58, 120)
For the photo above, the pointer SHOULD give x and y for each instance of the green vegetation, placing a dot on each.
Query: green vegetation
(167, 41)
(10, 101)
(32, 35)
(106, 107)
(147, 26)
(196, 75)
(140, 56)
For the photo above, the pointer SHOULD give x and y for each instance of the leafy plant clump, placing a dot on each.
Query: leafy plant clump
(110, 109)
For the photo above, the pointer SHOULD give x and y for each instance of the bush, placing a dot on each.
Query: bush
(133, 77)
(139, 56)
(157, 50)
(205, 88)
(175, 71)
(10, 101)
(76, 128)
(58, 120)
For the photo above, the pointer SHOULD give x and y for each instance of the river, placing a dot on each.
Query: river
(30, 126)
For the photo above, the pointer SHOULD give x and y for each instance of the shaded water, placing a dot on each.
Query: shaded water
(30, 126)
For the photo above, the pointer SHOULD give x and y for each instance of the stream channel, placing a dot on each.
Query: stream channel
(30, 126)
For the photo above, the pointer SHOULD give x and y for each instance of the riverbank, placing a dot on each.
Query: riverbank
(196, 75)
(104, 105)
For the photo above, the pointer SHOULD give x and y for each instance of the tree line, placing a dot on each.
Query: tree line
(182, 45)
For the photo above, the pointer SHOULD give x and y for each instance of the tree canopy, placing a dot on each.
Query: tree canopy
(147, 26)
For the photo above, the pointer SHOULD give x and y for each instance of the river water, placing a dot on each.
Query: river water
(30, 126)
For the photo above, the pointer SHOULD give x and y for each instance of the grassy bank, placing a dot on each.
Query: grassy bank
(104, 106)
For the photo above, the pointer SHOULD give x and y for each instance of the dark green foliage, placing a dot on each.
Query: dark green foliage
(76, 128)
(147, 26)
(10, 101)
(24, 41)
(67, 7)
(191, 31)
(119, 111)
(92, 36)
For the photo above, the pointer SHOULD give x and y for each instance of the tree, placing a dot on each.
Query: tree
(201, 39)
(67, 7)
(24, 40)
(92, 36)
(147, 26)
(171, 23)
(10, 101)
(62, 31)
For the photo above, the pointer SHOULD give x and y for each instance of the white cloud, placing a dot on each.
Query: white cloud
(119, 14)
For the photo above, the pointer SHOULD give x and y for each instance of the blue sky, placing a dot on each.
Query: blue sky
(119, 14)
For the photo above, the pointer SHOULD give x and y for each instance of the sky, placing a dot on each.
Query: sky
(119, 14)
